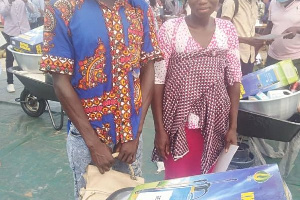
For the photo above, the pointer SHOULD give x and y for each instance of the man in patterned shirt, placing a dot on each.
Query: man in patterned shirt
(101, 55)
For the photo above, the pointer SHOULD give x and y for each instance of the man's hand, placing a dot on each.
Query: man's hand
(101, 156)
(162, 143)
(127, 151)
(230, 138)
(293, 31)
(100, 153)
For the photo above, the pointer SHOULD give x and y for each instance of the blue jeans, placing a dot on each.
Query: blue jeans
(80, 157)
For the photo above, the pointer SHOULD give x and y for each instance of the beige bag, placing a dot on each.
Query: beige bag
(100, 186)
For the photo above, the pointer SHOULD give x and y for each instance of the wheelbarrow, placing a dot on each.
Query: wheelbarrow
(277, 120)
(38, 87)
(268, 119)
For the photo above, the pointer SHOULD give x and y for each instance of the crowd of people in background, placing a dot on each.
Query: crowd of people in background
(19, 16)
(244, 14)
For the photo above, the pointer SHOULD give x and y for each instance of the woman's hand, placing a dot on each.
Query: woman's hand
(291, 32)
(162, 143)
(230, 138)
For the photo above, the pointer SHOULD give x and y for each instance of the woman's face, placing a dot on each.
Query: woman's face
(202, 8)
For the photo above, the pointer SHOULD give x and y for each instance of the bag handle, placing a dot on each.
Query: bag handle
(132, 175)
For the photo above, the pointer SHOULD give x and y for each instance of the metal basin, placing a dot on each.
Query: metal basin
(28, 62)
(122, 194)
(281, 108)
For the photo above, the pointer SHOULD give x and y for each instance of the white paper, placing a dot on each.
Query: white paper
(2, 40)
(160, 166)
(163, 195)
(270, 36)
(225, 159)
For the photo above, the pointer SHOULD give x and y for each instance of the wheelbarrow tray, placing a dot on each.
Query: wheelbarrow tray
(279, 108)
(261, 126)
(38, 88)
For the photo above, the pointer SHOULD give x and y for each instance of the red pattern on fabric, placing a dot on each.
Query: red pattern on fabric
(56, 64)
(67, 8)
(145, 57)
(49, 26)
(119, 53)
(92, 69)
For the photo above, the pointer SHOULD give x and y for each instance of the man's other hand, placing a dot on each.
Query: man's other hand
(127, 151)
(291, 32)
(101, 156)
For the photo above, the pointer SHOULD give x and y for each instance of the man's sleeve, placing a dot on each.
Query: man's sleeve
(4, 8)
(228, 8)
(58, 51)
(150, 48)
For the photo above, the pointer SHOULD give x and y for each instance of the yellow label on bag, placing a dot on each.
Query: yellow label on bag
(39, 49)
(24, 46)
(247, 196)
(242, 91)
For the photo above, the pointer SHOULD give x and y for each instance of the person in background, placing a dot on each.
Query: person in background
(244, 18)
(284, 17)
(101, 55)
(197, 88)
(261, 10)
(156, 6)
(174, 7)
(36, 18)
(15, 23)
(265, 17)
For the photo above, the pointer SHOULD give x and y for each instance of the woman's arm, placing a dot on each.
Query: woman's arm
(161, 142)
(233, 76)
(234, 95)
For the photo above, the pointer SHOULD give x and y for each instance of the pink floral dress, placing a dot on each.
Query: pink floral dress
(195, 81)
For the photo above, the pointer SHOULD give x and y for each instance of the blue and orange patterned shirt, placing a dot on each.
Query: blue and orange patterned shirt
(103, 50)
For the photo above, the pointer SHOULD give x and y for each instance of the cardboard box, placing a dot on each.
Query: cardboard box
(259, 183)
(269, 78)
(29, 42)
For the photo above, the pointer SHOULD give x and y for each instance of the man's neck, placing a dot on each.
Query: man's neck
(108, 3)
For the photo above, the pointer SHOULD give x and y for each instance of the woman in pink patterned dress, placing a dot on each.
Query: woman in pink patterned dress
(197, 88)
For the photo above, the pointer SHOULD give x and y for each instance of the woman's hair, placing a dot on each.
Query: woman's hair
(152, 3)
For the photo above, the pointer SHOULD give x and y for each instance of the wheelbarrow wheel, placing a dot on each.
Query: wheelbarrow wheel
(31, 105)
